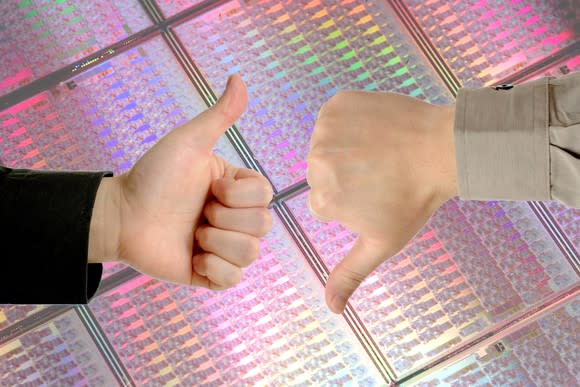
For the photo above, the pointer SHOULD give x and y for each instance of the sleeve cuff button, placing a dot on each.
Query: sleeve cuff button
(505, 86)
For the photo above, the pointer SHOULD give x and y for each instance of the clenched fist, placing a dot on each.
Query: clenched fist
(380, 164)
(183, 214)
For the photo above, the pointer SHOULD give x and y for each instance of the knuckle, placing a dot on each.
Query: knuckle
(202, 233)
(227, 196)
(224, 114)
(332, 108)
(323, 132)
(212, 211)
(251, 251)
(216, 287)
(233, 278)
(265, 222)
(315, 162)
(333, 105)
(223, 191)
(321, 125)
(319, 203)
(353, 277)
(314, 158)
(339, 99)
(268, 191)
(310, 174)
(200, 264)
(322, 112)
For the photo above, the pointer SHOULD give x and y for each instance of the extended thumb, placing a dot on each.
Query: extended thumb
(347, 276)
(207, 127)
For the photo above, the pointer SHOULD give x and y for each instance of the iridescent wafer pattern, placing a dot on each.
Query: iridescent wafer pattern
(40, 36)
(172, 7)
(272, 329)
(544, 353)
(486, 41)
(294, 56)
(59, 352)
(11, 314)
(565, 67)
(104, 118)
(474, 265)
(569, 221)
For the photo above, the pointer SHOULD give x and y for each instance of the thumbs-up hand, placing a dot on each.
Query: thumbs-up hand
(183, 214)
(381, 164)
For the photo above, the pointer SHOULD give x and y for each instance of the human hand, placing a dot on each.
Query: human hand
(381, 164)
(183, 214)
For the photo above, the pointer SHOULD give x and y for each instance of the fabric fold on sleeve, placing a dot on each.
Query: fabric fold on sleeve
(502, 142)
(565, 139)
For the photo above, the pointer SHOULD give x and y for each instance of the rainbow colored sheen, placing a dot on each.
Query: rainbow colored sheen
(172, 7)
(486, 41)
(41, 36)
(272, 329)
(11, 314)
(541, 354)
(60, 352)
(471, 267)
(296, 55)
(105, 118)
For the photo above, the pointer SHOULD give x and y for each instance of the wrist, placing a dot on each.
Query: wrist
(446, 124)
(105, 222)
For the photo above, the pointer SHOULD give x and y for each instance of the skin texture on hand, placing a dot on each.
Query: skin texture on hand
(381, 164)
(183, 214)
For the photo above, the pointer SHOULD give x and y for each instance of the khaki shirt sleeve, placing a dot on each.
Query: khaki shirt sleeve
(520, 144)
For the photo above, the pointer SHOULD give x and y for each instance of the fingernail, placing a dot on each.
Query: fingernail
(226, 88)
(337, 304)
(226, 98)
(228, 82)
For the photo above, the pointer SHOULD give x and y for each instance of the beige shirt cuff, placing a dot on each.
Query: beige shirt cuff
(520, 144)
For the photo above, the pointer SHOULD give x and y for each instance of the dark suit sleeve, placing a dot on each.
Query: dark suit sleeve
(44, 232)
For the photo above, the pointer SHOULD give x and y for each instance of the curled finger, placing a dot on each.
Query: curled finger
(220, 273)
